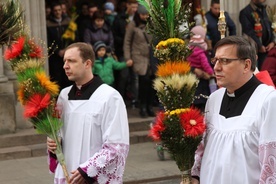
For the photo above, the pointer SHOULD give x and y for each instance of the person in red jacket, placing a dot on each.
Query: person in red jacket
(270, 64)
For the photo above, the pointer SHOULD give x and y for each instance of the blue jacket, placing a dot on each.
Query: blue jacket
(212, 27)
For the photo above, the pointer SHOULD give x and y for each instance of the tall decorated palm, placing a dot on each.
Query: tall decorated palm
(179, 127)
(36, 92)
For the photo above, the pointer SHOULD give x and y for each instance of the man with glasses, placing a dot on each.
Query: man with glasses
(240, 141)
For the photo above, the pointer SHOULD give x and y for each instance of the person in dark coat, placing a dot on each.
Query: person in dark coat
(98, 30)
(119, 29)
(212, 17)
(56, 26)
(255, 24)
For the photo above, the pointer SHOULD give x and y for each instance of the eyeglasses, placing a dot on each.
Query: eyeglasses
(224, 61)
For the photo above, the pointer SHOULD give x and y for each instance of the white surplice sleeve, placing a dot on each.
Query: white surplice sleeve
(267, 143)
(107, 165)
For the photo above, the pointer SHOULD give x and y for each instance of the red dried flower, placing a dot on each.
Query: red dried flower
(15, 50)
(158, 126)
(35, 104)
(36, 51)
(192, 122)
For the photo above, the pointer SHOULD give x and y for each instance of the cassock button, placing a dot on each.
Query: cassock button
(78, 93)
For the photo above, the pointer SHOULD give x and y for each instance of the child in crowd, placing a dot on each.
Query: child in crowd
(109, 12)
(104, 65)
(198, 60)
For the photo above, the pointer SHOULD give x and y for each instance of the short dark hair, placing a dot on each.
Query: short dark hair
(54, 4)
(132, 1)
(214, 2)
(86, 50)
(99, 14)
(246, 48)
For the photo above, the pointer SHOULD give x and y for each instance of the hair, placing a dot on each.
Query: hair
(214, 2)
(86, 50)
(91, 5)
(137, 20)
(99, 14)
(246, 47)
(132, 1)
(54, 4)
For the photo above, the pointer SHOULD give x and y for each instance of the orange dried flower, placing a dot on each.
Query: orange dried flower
(168, 68)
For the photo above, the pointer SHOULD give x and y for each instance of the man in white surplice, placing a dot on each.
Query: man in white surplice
(95, 134)
(239, 146)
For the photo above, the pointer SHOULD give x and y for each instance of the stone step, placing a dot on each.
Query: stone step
(34, 150)
(27, 151)
(27, 143)
(29, 136)
(21, 138)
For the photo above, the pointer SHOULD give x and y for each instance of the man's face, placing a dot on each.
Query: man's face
(57, 12)
(92, 10)
(131, 8)
(231, 75)
(75, 68)
(64, 8)
(84, 10)
(215, 9)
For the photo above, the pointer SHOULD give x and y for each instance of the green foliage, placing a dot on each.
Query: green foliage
(177, 99)
(166, 17)
(11, 21)
(49, 125)
(177, 145)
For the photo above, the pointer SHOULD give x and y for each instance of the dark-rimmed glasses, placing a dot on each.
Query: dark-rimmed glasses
(224, 61)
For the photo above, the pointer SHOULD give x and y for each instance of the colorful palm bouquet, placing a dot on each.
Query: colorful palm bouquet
(69, 35)
(36, 92)
(179, 127)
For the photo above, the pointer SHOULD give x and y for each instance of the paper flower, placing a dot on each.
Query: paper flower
(158, 127)
(192, 123)
(15, 50)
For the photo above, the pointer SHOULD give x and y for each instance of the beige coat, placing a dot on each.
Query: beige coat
(137, 48)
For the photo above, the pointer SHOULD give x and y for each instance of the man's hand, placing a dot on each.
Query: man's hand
(76, 178)
(262, 49)
(269, 46)
(51, 145)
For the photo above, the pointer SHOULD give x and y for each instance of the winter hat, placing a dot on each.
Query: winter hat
(197, 39)
(98, 45)
(199, 30)
(109, 6)
(142, 10)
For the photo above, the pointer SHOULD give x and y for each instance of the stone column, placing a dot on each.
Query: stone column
(34, 13)
(7, 101)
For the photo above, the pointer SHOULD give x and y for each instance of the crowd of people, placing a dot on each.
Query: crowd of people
(121, 27)
(124, 60)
